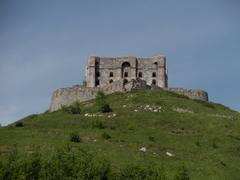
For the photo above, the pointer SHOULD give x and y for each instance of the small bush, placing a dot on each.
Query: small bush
(214, 145)
(19, 124)
(106, 136)
(197, 143)
(75, 108)
(101, 103)
(105, 108)
(151, 138)
(72, 163)
(223, 164)
(74, 137)
(66, 109)
(64, 163)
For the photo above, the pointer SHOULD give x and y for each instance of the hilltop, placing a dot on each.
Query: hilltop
(144, 128)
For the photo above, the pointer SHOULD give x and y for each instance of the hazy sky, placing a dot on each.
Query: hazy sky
(44, 45)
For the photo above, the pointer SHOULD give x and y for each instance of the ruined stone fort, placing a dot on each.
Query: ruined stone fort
(120, 74)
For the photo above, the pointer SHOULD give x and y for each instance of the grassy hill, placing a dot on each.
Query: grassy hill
(146, 129)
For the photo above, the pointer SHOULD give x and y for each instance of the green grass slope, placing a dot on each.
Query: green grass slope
(202, 136)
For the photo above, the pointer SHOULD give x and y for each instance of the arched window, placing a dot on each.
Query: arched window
(154, 82)
(111, 74)
(140, 75)
(125, 69)
(154, 74)
(110, 81)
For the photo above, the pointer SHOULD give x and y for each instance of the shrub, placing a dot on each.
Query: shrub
(65, 109)
(75, 108)
(106, 136)
(105, 108)
(65, 163)
(19, 124)
(72, 163)
(74, 137)
(100, 97)
(214, 145)
(101, 103)
(151, 138)
(18, 167)
(197, 143)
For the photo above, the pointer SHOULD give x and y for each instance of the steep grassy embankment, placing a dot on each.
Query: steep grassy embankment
(204, 137)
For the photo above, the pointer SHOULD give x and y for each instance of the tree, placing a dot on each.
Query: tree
(101, 103)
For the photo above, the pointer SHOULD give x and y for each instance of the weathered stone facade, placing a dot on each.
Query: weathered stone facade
(101, 71)
(121, 74)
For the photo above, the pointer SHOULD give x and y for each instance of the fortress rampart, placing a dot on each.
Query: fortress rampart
(66, 96)
(197, 94)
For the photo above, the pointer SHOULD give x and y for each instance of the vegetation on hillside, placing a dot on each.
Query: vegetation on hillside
(148, 135)
(101, 103)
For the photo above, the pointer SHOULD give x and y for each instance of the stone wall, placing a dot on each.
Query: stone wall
(66, 96)
(197, 94)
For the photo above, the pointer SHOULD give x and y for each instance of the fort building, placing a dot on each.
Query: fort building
(101, 71)
(120, 74)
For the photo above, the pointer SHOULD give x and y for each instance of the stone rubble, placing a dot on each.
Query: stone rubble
(143, 149)
(169, 154)
(149, 108)
(100, 115)
(182, 110)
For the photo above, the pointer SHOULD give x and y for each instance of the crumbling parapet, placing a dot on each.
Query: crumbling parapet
(197, 94)
(66, 96)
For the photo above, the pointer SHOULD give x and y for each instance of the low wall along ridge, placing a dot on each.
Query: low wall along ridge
(66, 96)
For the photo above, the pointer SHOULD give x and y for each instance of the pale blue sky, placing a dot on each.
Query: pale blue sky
(44, 45)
